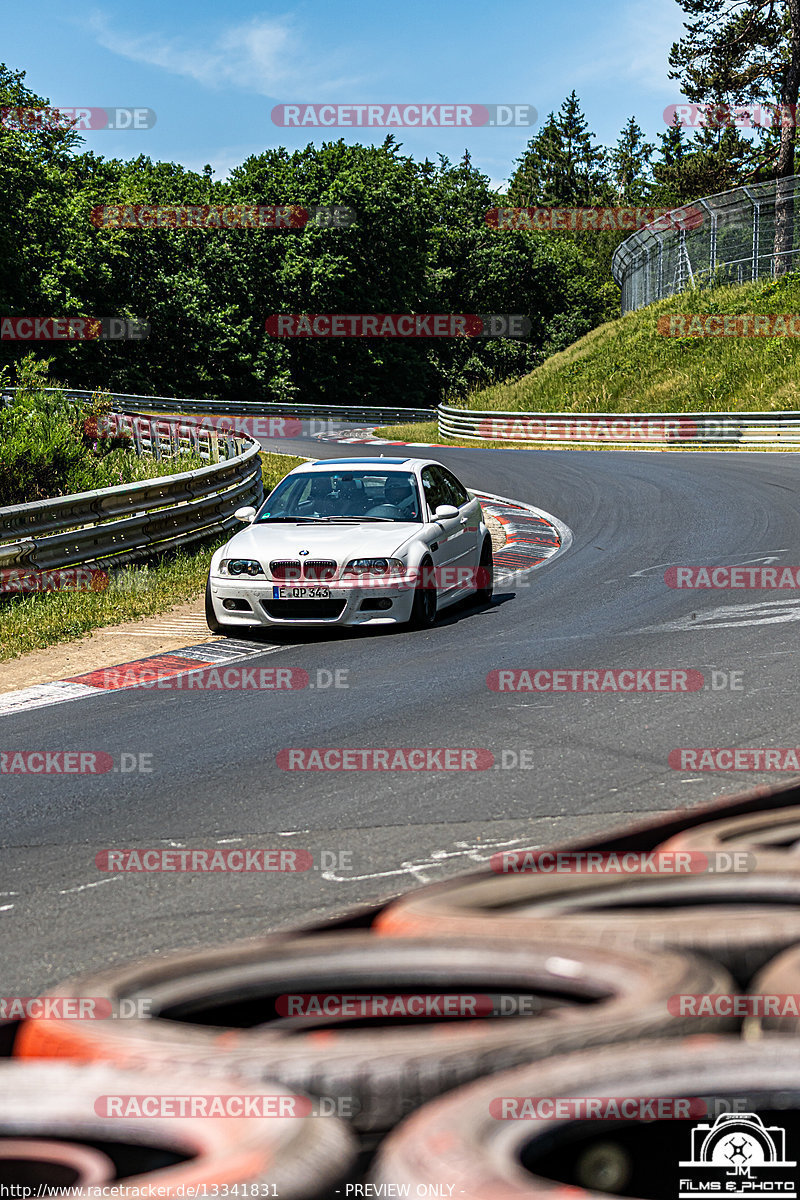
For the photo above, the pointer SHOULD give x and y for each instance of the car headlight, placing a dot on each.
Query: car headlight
(240, 566)
(375, 566)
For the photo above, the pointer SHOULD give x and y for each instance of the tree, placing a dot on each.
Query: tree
(630, 165)
(745, 51)
(560, 165)
(716, 159)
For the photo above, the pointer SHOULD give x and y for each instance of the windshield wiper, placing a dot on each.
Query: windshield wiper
(290, 520)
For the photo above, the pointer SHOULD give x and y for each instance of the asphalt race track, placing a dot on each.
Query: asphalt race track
(597, 760)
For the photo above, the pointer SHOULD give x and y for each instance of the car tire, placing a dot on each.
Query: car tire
(211, 618)
(779, 981)
(485, 590)
(485, 1142)
(768, 839)
(231, 1009)
(426, 601)
(67, 1106)
(742, 921)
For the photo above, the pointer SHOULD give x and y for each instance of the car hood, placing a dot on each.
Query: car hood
(340, 542)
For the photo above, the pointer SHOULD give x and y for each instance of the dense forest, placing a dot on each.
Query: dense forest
(419, 243)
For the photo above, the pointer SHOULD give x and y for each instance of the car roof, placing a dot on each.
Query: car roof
(378, 464)
(327, 462)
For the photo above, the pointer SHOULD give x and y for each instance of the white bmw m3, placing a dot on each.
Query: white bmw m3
(356, 541)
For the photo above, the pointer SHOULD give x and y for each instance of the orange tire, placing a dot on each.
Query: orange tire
(298, 1156)
(220, 1010)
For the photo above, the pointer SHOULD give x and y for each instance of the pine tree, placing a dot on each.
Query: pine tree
(630, 165)
(746, 51)
(561, 165)
(716, 159)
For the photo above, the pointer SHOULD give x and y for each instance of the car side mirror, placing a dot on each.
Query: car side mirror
(245, 515)
(445, 512)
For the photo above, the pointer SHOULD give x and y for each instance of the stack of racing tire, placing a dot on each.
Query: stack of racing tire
(622, 1026)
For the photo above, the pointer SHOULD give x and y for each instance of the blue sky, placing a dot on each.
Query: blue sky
(213, 74)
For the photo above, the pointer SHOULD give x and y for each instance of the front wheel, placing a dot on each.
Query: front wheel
(423, 611)
(211, 617)
(485, 578)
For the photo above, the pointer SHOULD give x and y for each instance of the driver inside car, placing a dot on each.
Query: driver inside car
(400, 494)
(319, 499)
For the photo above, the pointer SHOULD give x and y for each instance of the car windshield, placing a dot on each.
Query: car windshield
(352, 495)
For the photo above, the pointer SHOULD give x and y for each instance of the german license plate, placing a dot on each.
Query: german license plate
(301, 593)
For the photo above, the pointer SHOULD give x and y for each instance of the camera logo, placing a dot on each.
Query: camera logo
(737, 1156)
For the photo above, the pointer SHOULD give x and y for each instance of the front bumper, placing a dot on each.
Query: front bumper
(383, 602)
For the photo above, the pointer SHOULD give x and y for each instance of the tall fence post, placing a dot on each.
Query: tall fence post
(756, 230)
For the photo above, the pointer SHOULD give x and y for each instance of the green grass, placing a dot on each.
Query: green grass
(627, 366)
(40, 619)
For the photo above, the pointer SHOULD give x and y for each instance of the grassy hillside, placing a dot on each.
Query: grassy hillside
(627, 366)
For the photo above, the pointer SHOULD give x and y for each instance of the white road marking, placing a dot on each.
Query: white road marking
(84, 887)
(436, 858)
(731, 616)
(45, 694)
(645, 571)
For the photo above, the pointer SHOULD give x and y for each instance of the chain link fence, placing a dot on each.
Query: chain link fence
(734, 237)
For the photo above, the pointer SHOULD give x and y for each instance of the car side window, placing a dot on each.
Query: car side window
(449, 494)
(435, 491)
(456, 490)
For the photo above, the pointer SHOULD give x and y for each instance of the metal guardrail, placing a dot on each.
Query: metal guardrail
(745, 233)
(251, 407)
(120, 525)
(725, 429)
